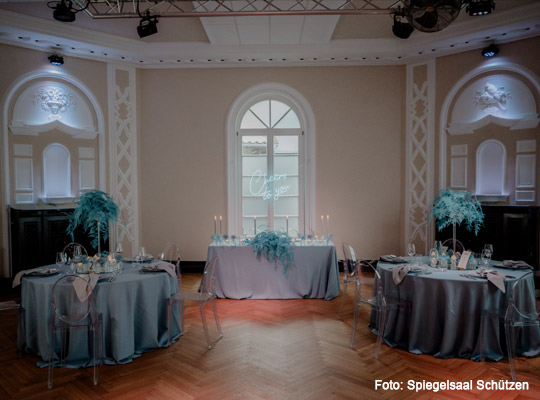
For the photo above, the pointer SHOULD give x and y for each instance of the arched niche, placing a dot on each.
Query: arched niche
(56, 171)
(495, 101)
(490, 168)
(47, 105)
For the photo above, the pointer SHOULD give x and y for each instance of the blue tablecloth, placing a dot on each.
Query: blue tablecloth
(445, 318)
(242, 275)
(134, 310)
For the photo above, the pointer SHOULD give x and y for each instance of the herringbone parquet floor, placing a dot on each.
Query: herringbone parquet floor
(271, 349)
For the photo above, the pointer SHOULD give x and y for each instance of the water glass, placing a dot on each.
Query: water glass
(411, 250)
(433, 257)
(489, 247)
(486, 257)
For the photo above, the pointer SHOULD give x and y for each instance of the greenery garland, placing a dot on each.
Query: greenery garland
(455, 206)
(93, 207)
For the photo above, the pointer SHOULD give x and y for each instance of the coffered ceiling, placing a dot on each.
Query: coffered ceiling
(261, 40)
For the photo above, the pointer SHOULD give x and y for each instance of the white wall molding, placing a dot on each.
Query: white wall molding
(7, 102)
(525, 171)
(491, 168)
(496, 66)
(307, 119)
(419, 153)
(458, 172)
(123, 155)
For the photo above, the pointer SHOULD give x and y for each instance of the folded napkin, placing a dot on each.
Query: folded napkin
(495, 277)
(399, 273)
(146, 257)
(511, 264)
(81, 289)
(161, 266)
(392, 259)
(36, 271)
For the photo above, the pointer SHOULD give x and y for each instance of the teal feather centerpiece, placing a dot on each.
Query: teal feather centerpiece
(276, 246)
(453, 207)
(95, 209)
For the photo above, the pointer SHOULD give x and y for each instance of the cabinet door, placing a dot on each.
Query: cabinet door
(54, 236)
(28, 252)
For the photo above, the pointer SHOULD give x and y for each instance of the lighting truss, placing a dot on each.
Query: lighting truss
(102, 9)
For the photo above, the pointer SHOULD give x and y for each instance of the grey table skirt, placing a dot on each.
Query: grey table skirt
(242, 275)
(445, 315)
(134, 310)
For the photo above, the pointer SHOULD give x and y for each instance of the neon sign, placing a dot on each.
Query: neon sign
(258, 185)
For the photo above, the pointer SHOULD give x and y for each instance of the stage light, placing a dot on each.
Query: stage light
(402, 30)
(64, 11)
(490, 51)
(147, 26)
(480, 7)
(55, 59)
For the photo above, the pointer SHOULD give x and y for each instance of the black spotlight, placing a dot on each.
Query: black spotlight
(402, 29)
(480, 7)
(55, 59)
(490, 51)
(147, 26)
(64, 11)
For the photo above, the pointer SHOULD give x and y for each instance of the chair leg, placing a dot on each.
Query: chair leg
(216, 318)
(381, 324)
(355, 322)
(95, 351)
(169, 315)
(202, 305)
(510, 346)
(51, 360)
(345, 284)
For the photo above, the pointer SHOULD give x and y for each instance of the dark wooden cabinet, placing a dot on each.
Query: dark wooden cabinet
(514, 232)
(37, 235)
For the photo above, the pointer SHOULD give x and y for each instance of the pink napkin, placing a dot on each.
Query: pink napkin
(399, 273)
(81, 289)
(495, 277)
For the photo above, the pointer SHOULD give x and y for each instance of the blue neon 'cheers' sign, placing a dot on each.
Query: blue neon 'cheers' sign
(258, 185)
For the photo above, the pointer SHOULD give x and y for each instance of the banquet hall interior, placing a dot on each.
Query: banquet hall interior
(279, 199)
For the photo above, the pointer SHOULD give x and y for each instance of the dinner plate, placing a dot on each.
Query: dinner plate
(44, 272)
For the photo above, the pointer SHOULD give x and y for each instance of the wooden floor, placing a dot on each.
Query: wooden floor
(271, 349)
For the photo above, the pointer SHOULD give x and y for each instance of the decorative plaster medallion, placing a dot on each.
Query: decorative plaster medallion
(54, 101)
(492, 99)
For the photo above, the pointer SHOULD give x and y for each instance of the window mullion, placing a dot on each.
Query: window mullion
(270, 168)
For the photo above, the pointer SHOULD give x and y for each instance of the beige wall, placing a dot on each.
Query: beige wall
(358, 114)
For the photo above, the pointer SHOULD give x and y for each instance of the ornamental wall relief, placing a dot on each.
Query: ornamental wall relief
(492, 99)
(54, 101)
(495, 99)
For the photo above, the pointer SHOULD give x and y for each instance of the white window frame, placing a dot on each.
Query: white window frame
(291, 97)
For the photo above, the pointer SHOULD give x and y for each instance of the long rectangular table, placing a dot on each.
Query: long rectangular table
(134, 310)
(448, 315)
(242, 275)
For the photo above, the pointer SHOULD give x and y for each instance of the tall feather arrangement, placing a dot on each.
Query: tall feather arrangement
(457, 206)
(93, 207)
(276, 246)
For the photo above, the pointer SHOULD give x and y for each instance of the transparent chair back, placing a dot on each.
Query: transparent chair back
(171, 254)
(73, 249)
(72, 311)
(350, 274)
(206, 294)
(520, 314)
(449, 243)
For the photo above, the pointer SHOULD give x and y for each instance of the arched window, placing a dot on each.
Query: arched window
(490, 168)
(56, 171)
(270, 178)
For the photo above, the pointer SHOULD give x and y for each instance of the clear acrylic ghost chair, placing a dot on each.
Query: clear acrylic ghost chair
(375, 299)
(171, 253)
(69, 313)
(70, 250)
(519, 314)
(449, 243)
(14, 305)
(350, 275)
(203, 296)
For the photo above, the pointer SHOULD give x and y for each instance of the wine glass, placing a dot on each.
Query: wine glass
(485, 257)
(60, 259)
(118, 250)
(489, 247)
(433, 257)
(77, 252)
(411, 250)
(437, 244)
